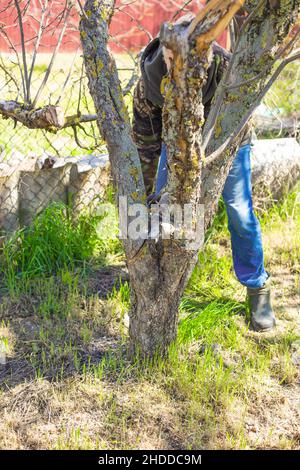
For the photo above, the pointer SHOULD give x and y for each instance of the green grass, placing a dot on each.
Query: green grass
(53, 243)
(217, 376)
(287, 211)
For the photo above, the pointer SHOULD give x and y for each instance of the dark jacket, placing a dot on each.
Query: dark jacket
(148, 102)
(153, 70)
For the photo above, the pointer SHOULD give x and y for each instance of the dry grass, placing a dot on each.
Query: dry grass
(68, 384)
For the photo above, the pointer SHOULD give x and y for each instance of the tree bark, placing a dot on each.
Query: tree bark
(243, 88)
(49, 117)
(159, 269)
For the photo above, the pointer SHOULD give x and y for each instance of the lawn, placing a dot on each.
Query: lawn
(68, 384)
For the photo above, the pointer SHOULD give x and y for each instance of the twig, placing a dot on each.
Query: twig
(26, 77)
(264, 70)
(49, 69)
(38, 39)
(5, 35)
(67, 78)
(177, 13)
(82, 10)
(213, 115)
(213, 156)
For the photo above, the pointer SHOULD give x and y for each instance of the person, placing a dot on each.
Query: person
(244, 227)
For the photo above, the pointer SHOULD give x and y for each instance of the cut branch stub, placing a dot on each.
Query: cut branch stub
(48, 118)
(217, 14)
(175, 38)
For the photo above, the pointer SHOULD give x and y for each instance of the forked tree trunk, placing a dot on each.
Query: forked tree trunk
(160, 269)
(157, 289)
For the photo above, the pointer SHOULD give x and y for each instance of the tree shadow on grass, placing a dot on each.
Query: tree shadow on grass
(49, 333)
(55, 347)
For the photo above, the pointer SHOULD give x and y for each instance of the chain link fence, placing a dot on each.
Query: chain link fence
(41, 64)
(70, 165)
(38, 167)
(135, 23)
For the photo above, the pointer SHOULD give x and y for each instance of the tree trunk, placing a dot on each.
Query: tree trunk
(159, 269)
(158, 283)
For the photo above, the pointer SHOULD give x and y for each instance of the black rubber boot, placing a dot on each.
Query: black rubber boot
(262, 317)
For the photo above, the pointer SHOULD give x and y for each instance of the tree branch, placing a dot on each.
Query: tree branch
(215, 110)
(49, 117)
(183, 112)
(69, 6)
(112, 116)
(257, 47)
(25, 68)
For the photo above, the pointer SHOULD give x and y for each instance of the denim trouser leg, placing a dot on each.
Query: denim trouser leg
(246, 241)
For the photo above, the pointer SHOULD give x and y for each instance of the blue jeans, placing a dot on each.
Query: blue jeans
(246, 241)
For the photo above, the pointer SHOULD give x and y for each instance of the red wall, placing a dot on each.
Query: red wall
(128, 27)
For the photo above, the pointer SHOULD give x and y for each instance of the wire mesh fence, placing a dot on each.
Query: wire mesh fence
(41, 65)
(17, 140)
(27, 189)
(55, 67)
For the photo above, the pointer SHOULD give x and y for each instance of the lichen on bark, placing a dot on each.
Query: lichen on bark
(159, 270)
